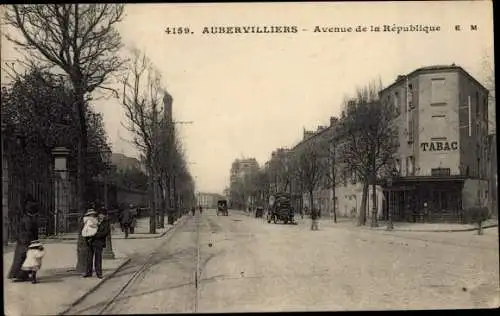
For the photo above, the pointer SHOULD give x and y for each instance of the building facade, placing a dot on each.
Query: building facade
(441, 162)
(344, 195)
(208, 200)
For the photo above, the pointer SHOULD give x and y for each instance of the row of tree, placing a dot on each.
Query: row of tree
(71, 51)
(147, 107)
(358, 146)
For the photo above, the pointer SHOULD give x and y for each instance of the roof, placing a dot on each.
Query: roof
(433, 69)
(316, 134)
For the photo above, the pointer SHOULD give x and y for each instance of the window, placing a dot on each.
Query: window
(439, 125)
(410, 166)
(411, 127)
(477, 104)
(410, 97)
(398, 165)
(396, 102)
(353, 176)
(345, 175)
(438, 91)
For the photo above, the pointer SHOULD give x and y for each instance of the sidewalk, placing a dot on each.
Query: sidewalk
(141, 232)
(406, 227)
(59, 285)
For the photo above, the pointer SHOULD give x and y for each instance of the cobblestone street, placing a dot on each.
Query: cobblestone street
(249, 265)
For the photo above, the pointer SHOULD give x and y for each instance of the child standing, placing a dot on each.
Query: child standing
(33, 261)
(90, 224)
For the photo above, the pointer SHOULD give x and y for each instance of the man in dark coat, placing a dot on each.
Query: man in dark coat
(96, 245)
(314, 219)
(27, 232)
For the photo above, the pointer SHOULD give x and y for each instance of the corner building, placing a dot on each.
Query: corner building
(441, 162)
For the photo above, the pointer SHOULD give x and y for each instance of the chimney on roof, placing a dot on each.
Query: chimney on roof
(333, 120)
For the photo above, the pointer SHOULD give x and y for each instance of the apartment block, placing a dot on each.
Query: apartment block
(442, 159)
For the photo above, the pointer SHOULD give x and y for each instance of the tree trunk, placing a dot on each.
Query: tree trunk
(311, 199)
(162, 211)
(362, 210)
(81, 248)
(374, 222)
(170, 218)
(151, 193)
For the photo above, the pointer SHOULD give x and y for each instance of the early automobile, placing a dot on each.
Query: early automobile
(280, 209)
(222, 208)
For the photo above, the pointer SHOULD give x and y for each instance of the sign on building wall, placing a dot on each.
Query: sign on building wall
(439, 146)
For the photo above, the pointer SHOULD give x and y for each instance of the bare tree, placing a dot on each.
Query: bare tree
(142, 97)
(308, 167)
(81, 40)
(332, 173)
(369, 141)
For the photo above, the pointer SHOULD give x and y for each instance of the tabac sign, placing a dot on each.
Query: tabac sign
(439, 146)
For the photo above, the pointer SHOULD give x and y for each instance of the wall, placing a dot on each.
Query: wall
(493, 175)
(472, 147)
(349, 200)
(473, 193)
(438, 123)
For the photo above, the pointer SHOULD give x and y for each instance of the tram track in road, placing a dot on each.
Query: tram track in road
(120, 283)
(174, 268)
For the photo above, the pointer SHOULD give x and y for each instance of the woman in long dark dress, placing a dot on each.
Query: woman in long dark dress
(28, 231)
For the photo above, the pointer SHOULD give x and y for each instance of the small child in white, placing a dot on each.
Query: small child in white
(33, 261)
(90, 224)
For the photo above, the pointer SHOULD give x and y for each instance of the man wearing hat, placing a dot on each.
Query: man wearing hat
(97, 243)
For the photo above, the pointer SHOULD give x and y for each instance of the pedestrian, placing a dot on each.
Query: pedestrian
(193, 210)
(314, 219)
(201, 209)
(33, 261)
(133, 218)
(27, 232)
(96, 244)
(125, 221)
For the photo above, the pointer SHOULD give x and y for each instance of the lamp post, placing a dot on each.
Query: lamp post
(108, 252)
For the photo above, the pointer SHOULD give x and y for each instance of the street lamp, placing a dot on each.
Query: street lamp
(108, 252)
(390, 225)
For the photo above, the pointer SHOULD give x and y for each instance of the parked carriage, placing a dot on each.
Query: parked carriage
(280, 209)
(222, 208)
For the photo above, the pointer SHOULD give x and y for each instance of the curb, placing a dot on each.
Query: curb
(432, 231)
(94, 288)
(126, 261)
(75, 238)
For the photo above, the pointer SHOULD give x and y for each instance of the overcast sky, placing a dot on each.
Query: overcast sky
(248, 94)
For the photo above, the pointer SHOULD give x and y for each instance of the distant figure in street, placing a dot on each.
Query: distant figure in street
(193, 210)
(126, 220)
(33, 261)
(314, 219)
(133, 218)
(27, 232)
(201, 209)
(96, 244)
(304, 211)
